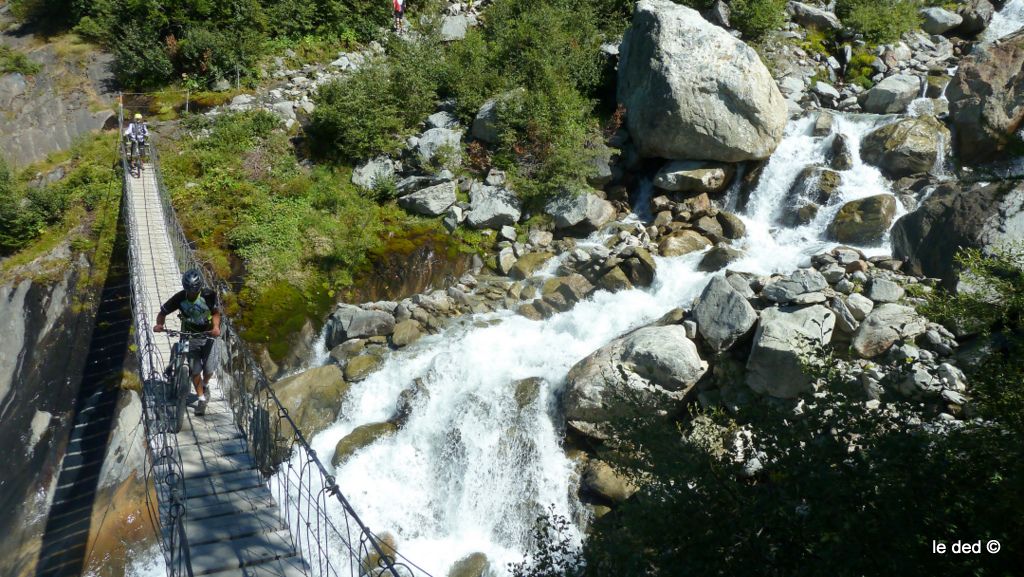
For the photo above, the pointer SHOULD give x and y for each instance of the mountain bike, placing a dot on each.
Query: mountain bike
(136, 152)
(179, 371)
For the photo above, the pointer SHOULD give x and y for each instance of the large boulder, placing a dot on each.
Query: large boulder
(351, 322)
(950, 219)
(936, 20)
(892, 95)
(651, 363)
(580, 210)
(986, 98)
(864, 221)
(786, 289)
(906, 147)
(813, 17)
(313, 398)
(723, 316)
(367, 174)
(694, 176)
(430, 201)
(473, 565)
(485, 124)
(440, 146)
(492, 206)
(784, 337)
(454, 27)
(886, 324)
(976, 15)
(361, 437)
(693, 91)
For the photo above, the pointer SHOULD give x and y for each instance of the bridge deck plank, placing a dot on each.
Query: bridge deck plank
(235, 526)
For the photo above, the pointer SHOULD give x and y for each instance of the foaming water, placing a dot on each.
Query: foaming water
(1005, 22)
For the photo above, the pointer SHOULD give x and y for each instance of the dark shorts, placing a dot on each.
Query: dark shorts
(400, 13)
(202, 356)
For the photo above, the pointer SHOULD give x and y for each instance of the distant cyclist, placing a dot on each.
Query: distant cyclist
(200, 313)
(136, 134)
(399, 6)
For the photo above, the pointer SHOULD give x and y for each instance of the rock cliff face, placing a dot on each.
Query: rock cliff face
(42, 354)
(47, 112)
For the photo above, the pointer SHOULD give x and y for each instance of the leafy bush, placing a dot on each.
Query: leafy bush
(138, 61)
(18, 224)
(369, 112)
(756, 18)
(880, 21)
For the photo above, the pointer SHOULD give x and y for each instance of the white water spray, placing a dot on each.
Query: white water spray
(1005, 22)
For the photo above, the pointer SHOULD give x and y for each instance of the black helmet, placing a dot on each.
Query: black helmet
(192, 281)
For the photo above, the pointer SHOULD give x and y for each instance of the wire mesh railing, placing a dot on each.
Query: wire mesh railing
(325, 528)
(164, 466)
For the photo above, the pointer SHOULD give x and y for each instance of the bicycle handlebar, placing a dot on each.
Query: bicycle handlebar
(174, 333)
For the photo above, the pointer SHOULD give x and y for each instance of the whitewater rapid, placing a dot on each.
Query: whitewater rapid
(471, 470)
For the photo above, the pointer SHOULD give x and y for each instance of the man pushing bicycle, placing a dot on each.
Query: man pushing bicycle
(200, 313)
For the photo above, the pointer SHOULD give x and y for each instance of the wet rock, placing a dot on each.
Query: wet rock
(679, 75)
(783, 337)
(723, 315)
(886, 324)
(732, 226)
(360, 367)
(360, 438)
(840, 156)
(313, 398)
(350, 322)
(864, 221)
(406, 333)
(529, 264)
(473, 565)
(719, 257)
(694, 176)
(639, 266)
(906, 147)
(682, 242)
(614, 281)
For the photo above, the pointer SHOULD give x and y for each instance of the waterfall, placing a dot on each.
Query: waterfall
(1005, 22)
(471, 468)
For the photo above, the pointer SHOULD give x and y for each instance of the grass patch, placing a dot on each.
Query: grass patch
(14, 61)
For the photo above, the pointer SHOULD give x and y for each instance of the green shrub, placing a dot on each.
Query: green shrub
(756, 18)
(880, 21)
(139, 61)
(12, 60)
(18, 224)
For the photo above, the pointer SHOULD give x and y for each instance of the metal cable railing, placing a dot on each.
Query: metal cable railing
(163, 458)
(303, 488)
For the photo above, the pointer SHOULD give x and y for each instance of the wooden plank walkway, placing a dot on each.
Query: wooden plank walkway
(233, 525)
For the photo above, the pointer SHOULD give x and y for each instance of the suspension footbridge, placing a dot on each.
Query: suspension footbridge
(238, 491)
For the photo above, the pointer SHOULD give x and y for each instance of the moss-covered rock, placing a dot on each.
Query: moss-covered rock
(313, 398)
(906, 147)
(360, 367)
(360, 438)
(529, 264)
(683, 242)
(473, 565)
(864, 221)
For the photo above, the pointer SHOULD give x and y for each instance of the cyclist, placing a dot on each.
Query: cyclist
(200, 313)
(136, 134)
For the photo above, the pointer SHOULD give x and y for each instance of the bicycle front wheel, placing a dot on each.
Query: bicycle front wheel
(181, 386)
